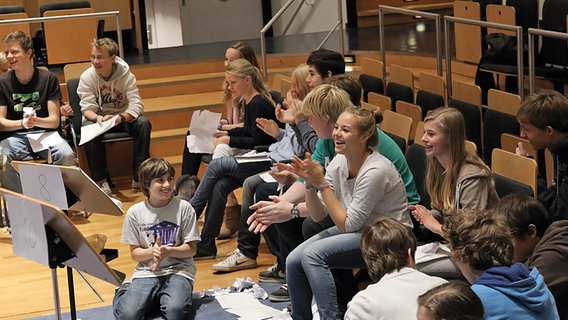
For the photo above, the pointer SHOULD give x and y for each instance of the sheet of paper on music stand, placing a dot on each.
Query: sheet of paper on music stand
(30, 242)
(202, 127)
(43, 140)
(91, 131)
(44, 183)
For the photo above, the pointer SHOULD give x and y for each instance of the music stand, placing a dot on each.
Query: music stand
(42, 233)
(87, 194)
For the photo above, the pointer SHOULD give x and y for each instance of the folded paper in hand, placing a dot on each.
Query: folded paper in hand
(202, 127)
(91, 131)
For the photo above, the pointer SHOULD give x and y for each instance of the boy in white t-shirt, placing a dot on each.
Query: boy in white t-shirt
(162, 234)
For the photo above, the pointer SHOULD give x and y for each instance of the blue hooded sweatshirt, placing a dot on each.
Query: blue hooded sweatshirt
(515, 292)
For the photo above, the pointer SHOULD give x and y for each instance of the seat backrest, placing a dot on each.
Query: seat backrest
(505, 186)
(397, 124)
(7, 28)
(11, 9)
(396, 91)
(429, 101)
(380, 100)
(410, 110)
(63, 6)
(474, 122)
(74, 100)
(419, 133)
(417, 162)
(372, 67)
(518, 168)
(401, 75)
(433, 83)
(62, 41)
(281, 83)
(470, 146)
(75, 70)
(495, 123)
(467, 92)
(509, 143)
(501, 14)
(369, 84)
(467, 38)
(554, 51)
(503, 101)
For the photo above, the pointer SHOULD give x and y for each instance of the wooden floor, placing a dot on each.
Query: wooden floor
(26, 287)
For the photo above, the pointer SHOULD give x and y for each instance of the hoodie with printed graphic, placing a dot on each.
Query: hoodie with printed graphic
(113, 96)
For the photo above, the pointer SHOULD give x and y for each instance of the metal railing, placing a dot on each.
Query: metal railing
(519, 33)
(77, 16)
(532, 55)
(279, 14)
(429, 15)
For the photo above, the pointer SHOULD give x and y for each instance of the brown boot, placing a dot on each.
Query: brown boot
(230, 222)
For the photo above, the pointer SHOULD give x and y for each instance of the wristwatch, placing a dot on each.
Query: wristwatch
(294, 211)
(122, 118)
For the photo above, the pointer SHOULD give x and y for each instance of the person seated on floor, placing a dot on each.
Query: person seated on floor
(244, 257)
(482, 247)
(449, 301)
(538, 243)
(162, 234)
(543, 118)
(388, 248)
(29, 102)
(108, 89)
(455, 179)
(356, 172)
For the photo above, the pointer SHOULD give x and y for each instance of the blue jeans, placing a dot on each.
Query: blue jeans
(17, 147)
(222, 176)
(171, 293)
(308, 271)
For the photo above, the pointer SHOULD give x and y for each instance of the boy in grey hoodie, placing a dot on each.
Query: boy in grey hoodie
(107, 89)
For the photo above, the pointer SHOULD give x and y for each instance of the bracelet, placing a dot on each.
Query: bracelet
(309, 187)
(323, 186)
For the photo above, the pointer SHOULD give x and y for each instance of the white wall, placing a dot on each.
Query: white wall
(314, 16)
(205, 21)
(163, 23)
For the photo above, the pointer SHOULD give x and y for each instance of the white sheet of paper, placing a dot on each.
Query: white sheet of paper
(28, 231)
(266, 177)
(91, 131)
(246, 306)
(202, 127)
(431, 251)
(44, 183)
(44, 140)
(257, 312)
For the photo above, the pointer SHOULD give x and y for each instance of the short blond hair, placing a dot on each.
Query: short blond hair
(326, 102)
(106, 43)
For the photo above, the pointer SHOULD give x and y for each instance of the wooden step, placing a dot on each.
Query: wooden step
(191, 83)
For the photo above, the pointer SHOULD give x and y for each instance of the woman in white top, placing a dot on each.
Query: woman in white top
(359, 184)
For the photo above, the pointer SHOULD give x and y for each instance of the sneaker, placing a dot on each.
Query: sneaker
(280, 295)
(103, 184)
(236, 261)
(272, 274)
(135, 185)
